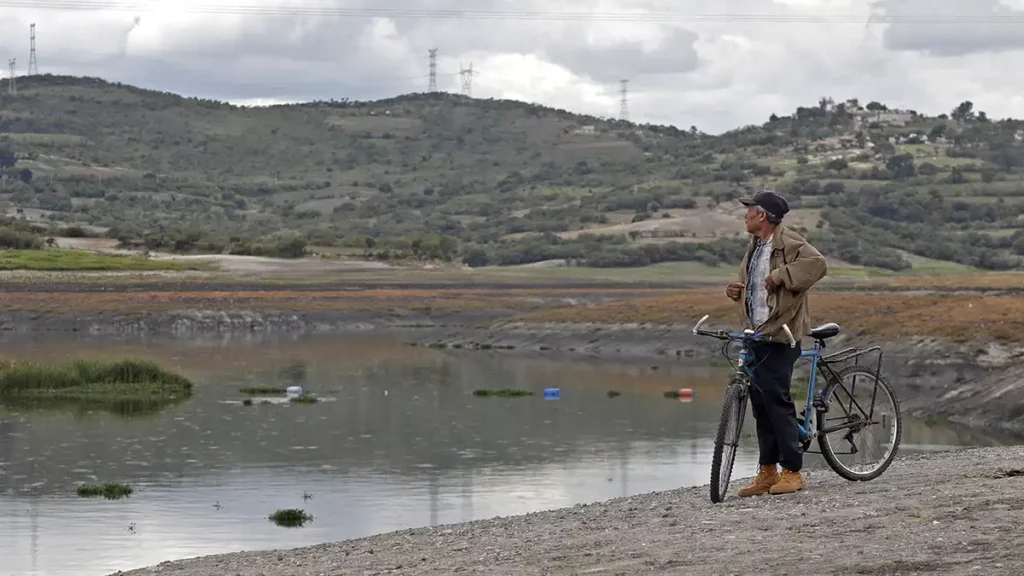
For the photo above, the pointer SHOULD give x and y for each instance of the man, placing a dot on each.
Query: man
(777, 271)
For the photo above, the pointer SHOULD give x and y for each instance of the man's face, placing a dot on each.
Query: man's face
(753, 219)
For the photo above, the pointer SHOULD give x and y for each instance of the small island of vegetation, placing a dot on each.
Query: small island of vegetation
(112, 385)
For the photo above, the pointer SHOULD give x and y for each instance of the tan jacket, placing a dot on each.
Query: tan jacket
(796, 267)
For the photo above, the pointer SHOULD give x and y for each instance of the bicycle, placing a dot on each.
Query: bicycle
(816, 406)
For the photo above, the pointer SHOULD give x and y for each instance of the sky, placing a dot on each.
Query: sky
(713, 64)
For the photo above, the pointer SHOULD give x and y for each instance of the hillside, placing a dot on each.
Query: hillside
(439, 176)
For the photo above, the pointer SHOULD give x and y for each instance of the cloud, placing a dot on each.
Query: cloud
(977, 26)
(700, 62)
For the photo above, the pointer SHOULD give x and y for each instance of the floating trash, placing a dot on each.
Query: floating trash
(552, 393)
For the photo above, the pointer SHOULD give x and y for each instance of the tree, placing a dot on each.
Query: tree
(838, 164)
(834, 188)
(7, 158)
(1018, 245)
(963, 112)
(475, 258)
(876, 106)
(902, 166)
(25, 175)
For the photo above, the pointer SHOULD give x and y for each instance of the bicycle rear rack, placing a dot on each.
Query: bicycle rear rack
(855, 354)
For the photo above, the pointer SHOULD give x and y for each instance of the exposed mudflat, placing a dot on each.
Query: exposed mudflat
(953, 513)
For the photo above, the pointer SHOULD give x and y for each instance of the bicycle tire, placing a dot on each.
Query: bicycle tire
(734, 408)
(826, 447)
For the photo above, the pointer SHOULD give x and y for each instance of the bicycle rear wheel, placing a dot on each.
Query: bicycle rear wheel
(734, 409)
(862, 416)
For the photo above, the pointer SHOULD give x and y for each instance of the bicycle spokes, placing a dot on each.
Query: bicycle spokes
(860, 427)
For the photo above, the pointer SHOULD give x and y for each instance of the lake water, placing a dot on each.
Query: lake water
(400, 442)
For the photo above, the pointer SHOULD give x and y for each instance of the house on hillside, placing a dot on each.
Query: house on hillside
(887, 117)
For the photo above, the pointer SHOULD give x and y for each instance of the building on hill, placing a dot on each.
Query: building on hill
(888, 117)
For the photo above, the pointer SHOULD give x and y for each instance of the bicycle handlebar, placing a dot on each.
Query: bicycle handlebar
(746, 335)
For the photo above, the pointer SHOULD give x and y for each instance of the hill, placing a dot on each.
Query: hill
(439, 176)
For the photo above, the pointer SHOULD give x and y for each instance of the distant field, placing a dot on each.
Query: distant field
(696, 224)
(82, 261)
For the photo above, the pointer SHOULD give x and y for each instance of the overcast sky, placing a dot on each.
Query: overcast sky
(716, 64)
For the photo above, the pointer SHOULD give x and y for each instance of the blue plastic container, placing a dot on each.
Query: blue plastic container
(552, 393)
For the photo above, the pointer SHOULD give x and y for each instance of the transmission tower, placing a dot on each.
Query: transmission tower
(467, 79)
(33, 66)
(433, 70)
(624, 105)
(12, 88)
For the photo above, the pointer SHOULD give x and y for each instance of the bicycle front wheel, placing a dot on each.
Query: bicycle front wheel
(730, 425)
(860, 429)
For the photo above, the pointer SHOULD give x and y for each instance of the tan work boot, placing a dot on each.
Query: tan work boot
(767, 476)
(789, 483)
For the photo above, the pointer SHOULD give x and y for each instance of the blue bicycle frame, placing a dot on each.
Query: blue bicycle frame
(746, 361)
(745, 365)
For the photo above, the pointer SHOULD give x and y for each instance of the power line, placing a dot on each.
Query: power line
(12, 87)
(33, 66)
(467, 79)
(624, 104)
(421, 13)
(433, 70)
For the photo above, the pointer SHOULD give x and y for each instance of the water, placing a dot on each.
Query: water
(400, 442)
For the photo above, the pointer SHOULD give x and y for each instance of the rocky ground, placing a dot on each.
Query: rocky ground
(946, 513)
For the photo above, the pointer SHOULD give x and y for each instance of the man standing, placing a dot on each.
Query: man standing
(777, 271)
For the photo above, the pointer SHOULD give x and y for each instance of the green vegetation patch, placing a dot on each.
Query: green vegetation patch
(82, 261)
(504, 393)
(85, 380)
(263, 390)
(290, 518)
(304, 399)
(110, 490)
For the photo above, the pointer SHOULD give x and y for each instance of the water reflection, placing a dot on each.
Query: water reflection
(402, 442)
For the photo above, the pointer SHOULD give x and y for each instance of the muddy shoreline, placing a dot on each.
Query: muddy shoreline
(951, 513)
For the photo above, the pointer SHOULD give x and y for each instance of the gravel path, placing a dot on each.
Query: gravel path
(958, 512)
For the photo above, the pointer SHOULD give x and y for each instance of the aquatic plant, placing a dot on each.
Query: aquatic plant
(290, 518)
(110, 490)
(304, 399)
(614, 394)
(86, 380)
(505, 393)
(247, 402)
(263, 391)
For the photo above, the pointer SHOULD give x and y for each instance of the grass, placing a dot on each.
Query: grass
(263, 391)
(81, 261)
(127, 380)
(304, 399)
(110, 490)
(290, 518)
(505, 393)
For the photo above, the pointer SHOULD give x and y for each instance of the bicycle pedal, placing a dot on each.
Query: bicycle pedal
(820, 405)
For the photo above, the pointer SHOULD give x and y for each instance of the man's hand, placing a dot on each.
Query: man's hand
(769, 283)
(734, 290)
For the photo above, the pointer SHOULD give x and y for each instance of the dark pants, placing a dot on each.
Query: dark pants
(778, 434)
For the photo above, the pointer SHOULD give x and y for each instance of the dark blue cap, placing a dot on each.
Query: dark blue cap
(771, 202)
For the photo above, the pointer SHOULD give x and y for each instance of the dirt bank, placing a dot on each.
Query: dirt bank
(947, 513)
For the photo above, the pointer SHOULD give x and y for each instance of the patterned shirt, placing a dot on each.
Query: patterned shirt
(758, 269)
